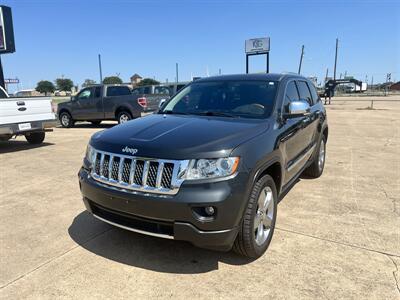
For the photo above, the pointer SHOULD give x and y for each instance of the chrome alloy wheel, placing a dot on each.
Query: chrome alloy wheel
(65, 120)
(321, 155)
(264, 216)
(123, 118)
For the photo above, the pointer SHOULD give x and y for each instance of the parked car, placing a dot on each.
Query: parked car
(212, 164)
(30, 117)
(154, 95)
(100, 102)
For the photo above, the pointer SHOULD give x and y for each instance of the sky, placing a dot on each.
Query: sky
(63, 38)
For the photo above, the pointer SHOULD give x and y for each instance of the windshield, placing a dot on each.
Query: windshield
(247, 99)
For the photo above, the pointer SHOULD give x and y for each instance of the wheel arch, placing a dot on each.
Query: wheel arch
(273, 169)
(122, 108)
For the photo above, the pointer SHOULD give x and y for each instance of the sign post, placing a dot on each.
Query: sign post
(257, 46)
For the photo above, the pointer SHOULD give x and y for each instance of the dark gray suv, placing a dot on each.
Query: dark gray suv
(211, 166)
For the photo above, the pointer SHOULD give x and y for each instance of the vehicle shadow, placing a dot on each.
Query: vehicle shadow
(15, 146)
(89, 125)
(151, 253)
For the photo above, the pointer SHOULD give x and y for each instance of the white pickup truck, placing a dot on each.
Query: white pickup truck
(30, 117)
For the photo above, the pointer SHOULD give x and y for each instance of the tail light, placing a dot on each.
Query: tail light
(142, 101)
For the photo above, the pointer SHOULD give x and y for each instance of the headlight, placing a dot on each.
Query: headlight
(211, 168)
(89, 154)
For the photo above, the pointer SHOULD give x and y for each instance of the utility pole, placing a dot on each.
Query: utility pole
(219, 72)
(301, 58)
(345, 74)
(334, 70)
(326, 76)
(177, 72)
(101, 74)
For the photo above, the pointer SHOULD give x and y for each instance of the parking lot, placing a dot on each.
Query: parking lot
(337, 236)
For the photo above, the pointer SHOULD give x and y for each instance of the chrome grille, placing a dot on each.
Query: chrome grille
(138, 174)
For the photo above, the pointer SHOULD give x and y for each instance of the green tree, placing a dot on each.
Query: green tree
(88, 82)
(64, 84)
(45, 86)
(148, 81)
(112, 80)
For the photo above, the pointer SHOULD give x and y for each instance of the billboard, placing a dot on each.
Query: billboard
(7, 44)
(257, 46)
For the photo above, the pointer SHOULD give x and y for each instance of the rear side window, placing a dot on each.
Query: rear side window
(314, 93)
(304, 91)
(291, 94)
(113, 91)
(146, 90)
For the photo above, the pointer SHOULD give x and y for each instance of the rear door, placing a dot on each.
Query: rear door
(114, 95)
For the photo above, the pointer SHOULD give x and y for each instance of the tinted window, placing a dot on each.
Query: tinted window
(179, 87)
(314, 93)
(136, 91)
(2, 94)
(161, 90)
(85, 94)
(247, 99)
(146, 90)
(118, 91)
(304, 91)
(291, 94)
(97, 92)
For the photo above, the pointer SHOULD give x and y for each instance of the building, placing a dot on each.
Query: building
(395, 86)
(135, 79)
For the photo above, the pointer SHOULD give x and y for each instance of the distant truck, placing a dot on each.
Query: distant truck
(30, 117)
(153, 95)
(101, 102)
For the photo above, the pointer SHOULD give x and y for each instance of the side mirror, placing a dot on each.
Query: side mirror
(298, 108)
(162, 101)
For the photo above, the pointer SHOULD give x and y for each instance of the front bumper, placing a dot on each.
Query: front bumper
(13, 129)
(172, 216)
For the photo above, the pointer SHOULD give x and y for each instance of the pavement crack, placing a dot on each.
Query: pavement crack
(53, 259)
(394, 273)
(337, 242)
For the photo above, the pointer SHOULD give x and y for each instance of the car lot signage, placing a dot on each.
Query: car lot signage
(257, 46)
(11, 80)
(7, 44)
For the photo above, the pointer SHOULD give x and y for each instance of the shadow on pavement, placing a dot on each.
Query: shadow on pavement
(89, 125)
(146, 252)
(14, 146)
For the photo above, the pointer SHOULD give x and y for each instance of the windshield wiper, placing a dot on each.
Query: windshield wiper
(171, 112)
(216, 113)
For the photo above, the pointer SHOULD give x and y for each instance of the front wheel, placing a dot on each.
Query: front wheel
(123, 117)
(66, 120)
(258, 223)
(35, 137)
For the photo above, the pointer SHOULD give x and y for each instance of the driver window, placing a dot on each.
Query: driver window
(291, 94)
(85, 94)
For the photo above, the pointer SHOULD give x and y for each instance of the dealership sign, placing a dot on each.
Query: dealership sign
(11, 80)
(7, 44)
(257, 46)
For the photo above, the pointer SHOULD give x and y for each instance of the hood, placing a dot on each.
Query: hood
(179, 137)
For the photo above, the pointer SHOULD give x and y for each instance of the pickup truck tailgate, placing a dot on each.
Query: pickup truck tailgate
(18, 110)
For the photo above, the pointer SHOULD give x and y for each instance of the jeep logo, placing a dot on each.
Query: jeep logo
(132, 151)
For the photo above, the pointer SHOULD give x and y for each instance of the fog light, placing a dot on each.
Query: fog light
(209, 210)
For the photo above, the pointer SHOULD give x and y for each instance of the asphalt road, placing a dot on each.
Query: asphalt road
(337, 236)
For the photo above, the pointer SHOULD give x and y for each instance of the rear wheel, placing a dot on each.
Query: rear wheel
(316, 169)
(66, 120)
(35, 137)
(123, 117)
(258, 223)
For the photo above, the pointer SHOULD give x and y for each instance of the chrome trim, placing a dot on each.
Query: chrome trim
(160, 235)
(180, 167)
(301, 158)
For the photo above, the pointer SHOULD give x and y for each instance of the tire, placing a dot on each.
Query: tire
(316, 168)
(66, 120)
(249, 241)
(35, 137)
(95, 122)
(124, 116)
